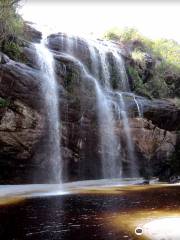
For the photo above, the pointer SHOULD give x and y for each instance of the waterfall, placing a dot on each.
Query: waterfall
(108, 139)
(94, 61)
(109, 143)
(140, 113)
(119, 64)
(130, 145)
(106, 57)
(50, 94)
(104, 66)
(111, 148)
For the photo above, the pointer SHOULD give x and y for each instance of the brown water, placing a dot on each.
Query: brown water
(102, 213)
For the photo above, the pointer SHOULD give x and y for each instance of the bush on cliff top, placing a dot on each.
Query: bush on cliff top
(164, 79)
(169, 50)
(165, 48)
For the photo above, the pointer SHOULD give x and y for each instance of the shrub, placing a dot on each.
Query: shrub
(112, 34)
(126, 34)
(138, 85)
(169, 50)
(11, 27)
(12, 49)
(162, 80)
(10, 21)
(138, 55)
(4, 103)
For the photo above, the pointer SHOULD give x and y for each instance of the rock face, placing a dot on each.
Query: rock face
(21, 120)
(154, 146)
(24, 130)
(32, 33)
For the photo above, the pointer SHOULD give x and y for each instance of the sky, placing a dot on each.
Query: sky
(154, 19)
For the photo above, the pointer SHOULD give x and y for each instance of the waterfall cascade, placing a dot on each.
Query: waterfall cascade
(106, 60)
(50, 94)
(108, 74)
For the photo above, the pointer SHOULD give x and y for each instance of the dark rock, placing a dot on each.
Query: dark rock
(162, 113)
(18, 81)
(4, 58)
(31, 33)
(22, 121)
(61, 42)
(29, 56)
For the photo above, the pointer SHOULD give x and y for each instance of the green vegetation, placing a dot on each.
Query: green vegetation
(138, 55)
(4, 103)
(163, 78)
(127, 35)
(138, 83)
(12, 49)
(11, 28)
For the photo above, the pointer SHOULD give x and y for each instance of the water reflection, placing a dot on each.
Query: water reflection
(94, 212)
(164, 228)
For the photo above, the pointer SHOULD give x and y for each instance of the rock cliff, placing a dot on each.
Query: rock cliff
(24, 130)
